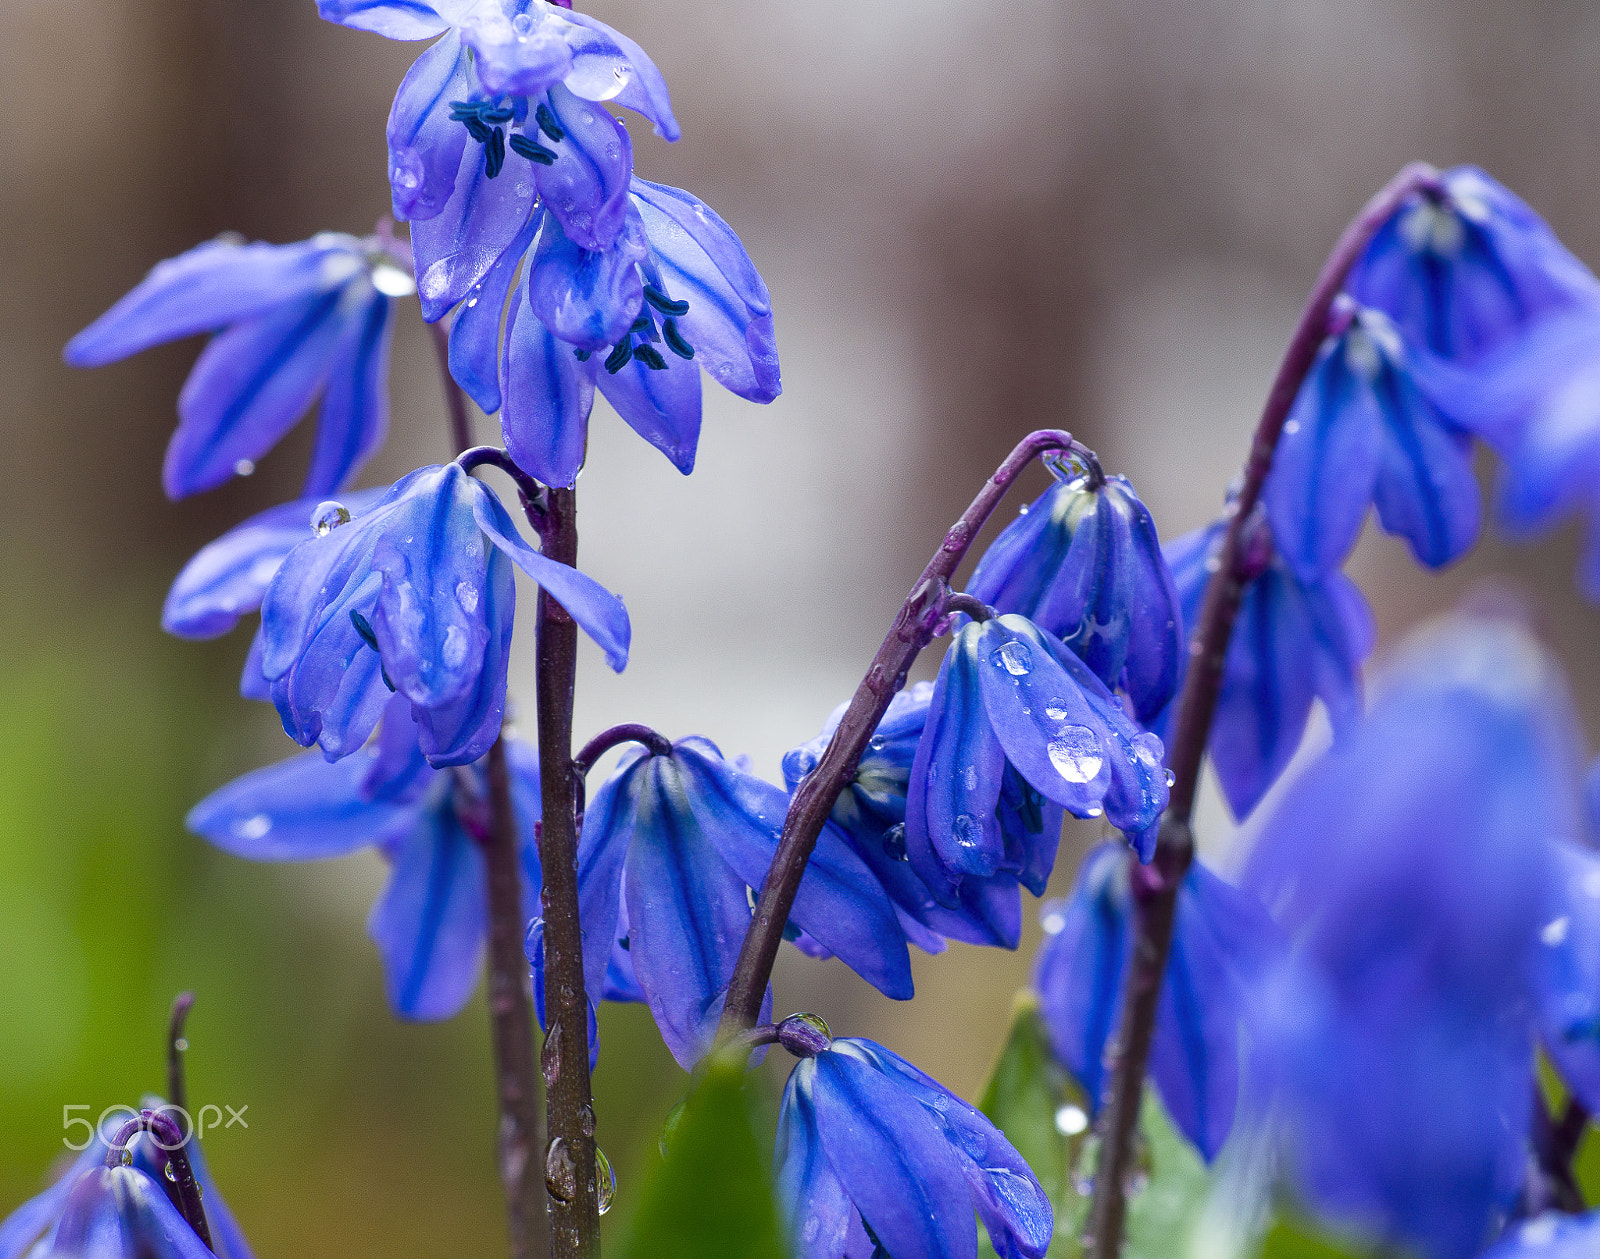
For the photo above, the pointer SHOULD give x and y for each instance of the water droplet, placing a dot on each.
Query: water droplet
(1070, 1120)
(586, 1119)
(454, 648)
(877, 743)
(1148, 749)
(1055, 713)
(1076, 754)
(467, 596)
(894, 842)
(1053, 918)
(1171, 778)
(1214, 564)
(1291, 428)
(1556, 932)
(560, 1174)
(244, 467)
(328, 517)
(522, 25)
(968, 831)
(253, 827)
(670, 1126)
(172, 1173)
(181, 1044)
(1094, 810)
(391, 281)
(550, 1056)
(1014, 657)
(605, 1181)
(815, 1022)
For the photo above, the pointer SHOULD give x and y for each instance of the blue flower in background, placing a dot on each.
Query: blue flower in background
(1084, 562)
(1364, 432)
(1292, 642)
(874, 1157)
(1221, 938)
(1465, 266)
(292, 321)
(1551, 1236)
(90, 1213)
(1414, 868)
(415, 596)
(870, 816)
(681, 845)
(674, 293)
(1016, 718)
(1568, 984)
(519, 76)
(430, 923)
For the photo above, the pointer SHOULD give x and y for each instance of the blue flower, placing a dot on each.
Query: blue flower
(414, 596)
(1364, 432)
(517, 75)
(874, 1157)
(291, 321)
(93, 1212)
(1015, 713)
(1414, 869)
(1084, 563)
(1550, 1236)
(1292, 642)
(1465, 266)
(1568, 985)
(870, 815)
(430, 924)
(680, 844)
(674, 292)
(1220, 939)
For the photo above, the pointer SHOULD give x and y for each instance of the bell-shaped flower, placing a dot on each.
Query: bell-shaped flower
(291, 321)
(1550, 1236)
(870, 816)
(1292, 642)
(1084, 562)
(1464, 266)
(1364, 432)
(521, 75)
(416, 597)
(1013, 706)
(673, 293)
(681, 844)
(431, 922)
(1220, 939)
(1414, 869)
(874, 1157)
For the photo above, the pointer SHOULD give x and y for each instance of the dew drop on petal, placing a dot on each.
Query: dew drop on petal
(894, 842)
(328, 517)
(467, 596)
(1014, 657)
(391, 281)
(454, 648)
(968, 830)
(1148, 749)
(1076, 754)
(1556, 932)
(1055, 713)
(253, 827)
(244, 467)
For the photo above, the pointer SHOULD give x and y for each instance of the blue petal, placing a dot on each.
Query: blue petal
(397, 772)
(297, 810)
(816, 1207)
(249, 387)
(699, 259)
(608, 825)
(397, 19)
(252, 683)
(458, 247)
(586, 187)
(355, 406)
(430, 923)
(1426, 490)
(548, 396)
(1569, 974)
(598, 613)
(597, 59)
(209, 287)
(588, 298)
(475, 334)
(29, 1222)
(1550, 1236)
(120, 1211)
(517, 62)
(225, 1231)
(663, 407)
(425, 143)
(895, 1164)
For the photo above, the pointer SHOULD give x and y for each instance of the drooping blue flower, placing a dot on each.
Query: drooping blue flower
(1292, 642)
(1464, 266)
(72, 1217)
(1084, 563)
(1568, 986)
(292, 321)
(1013, 711)
(674, 292)
(430, 924)
(870, 816)
(1550, 1236)
(875, 1157)
(415, 596)
(1221, 938)
(1364, 432)
(513, 81)
(1414, 869)
(681, 844)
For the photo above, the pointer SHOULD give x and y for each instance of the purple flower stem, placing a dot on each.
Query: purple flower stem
(455, 402)
(914, 627)
(569, 1106)
(177, 1087)
(977, 609)
(629, 732)
(170, 1140)
(532, 494)
(1155, 886)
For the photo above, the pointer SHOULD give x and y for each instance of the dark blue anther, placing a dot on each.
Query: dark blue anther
(477, 129)
(548, 124)
(675, 340)
(532, 150)
(663, 303)
(618, 358)
(490, 114)
(494, 153)
(364, 628)
(581, 355)
(650, 357)
(641, 324)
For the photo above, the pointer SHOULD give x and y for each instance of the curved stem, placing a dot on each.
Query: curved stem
(977, 609)
(812, 801)
(172, 1143)
(1155, 886)
(629, 732)
(177, 1086)
(535, 497)
(455, 402)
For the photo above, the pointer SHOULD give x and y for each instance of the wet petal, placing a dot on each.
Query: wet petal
(816, 1207)
(457, 248)
(586, 186)
(587, 298)
(663, 407)
(475, 333)
(425, 143)
(607, 65)
(118, 1211)
(397, 19)
(548, 395)
(355, 406)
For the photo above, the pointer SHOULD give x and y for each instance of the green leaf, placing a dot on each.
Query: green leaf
(1176, 1184)
(712, 1194)
(1291, 1238)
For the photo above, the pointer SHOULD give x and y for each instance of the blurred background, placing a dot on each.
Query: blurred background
(975, 220)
